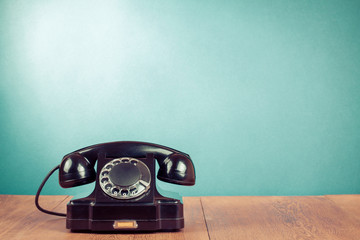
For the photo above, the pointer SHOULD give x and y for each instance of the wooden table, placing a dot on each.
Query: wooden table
(305, 217)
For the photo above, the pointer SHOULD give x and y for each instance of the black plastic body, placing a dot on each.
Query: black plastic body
(150, 211)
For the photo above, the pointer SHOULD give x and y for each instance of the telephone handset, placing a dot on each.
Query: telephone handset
(125, 195)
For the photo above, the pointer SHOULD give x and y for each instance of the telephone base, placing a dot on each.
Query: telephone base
(87, 215)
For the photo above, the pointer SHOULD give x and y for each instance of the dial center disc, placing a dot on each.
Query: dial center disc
(124, 174)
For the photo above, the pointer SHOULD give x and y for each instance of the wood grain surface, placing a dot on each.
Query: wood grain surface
(305, 217)
(349, 204)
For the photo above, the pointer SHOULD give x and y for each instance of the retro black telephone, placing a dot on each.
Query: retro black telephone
(125, 195)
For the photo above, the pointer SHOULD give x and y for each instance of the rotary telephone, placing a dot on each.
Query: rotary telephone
(125, 195)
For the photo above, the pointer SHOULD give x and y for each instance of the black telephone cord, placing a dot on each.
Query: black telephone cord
(38, 194)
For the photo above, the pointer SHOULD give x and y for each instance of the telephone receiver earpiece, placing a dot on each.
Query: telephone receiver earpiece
(75, 170)
(177, 169)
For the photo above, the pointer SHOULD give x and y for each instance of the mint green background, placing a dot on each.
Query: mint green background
(264, 95)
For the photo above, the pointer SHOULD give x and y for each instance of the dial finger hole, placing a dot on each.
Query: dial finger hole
(115, 191)
(108, 186)
(133, 191)
(105, 173)
(134, 162)
(124, 192)
(104, 180)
